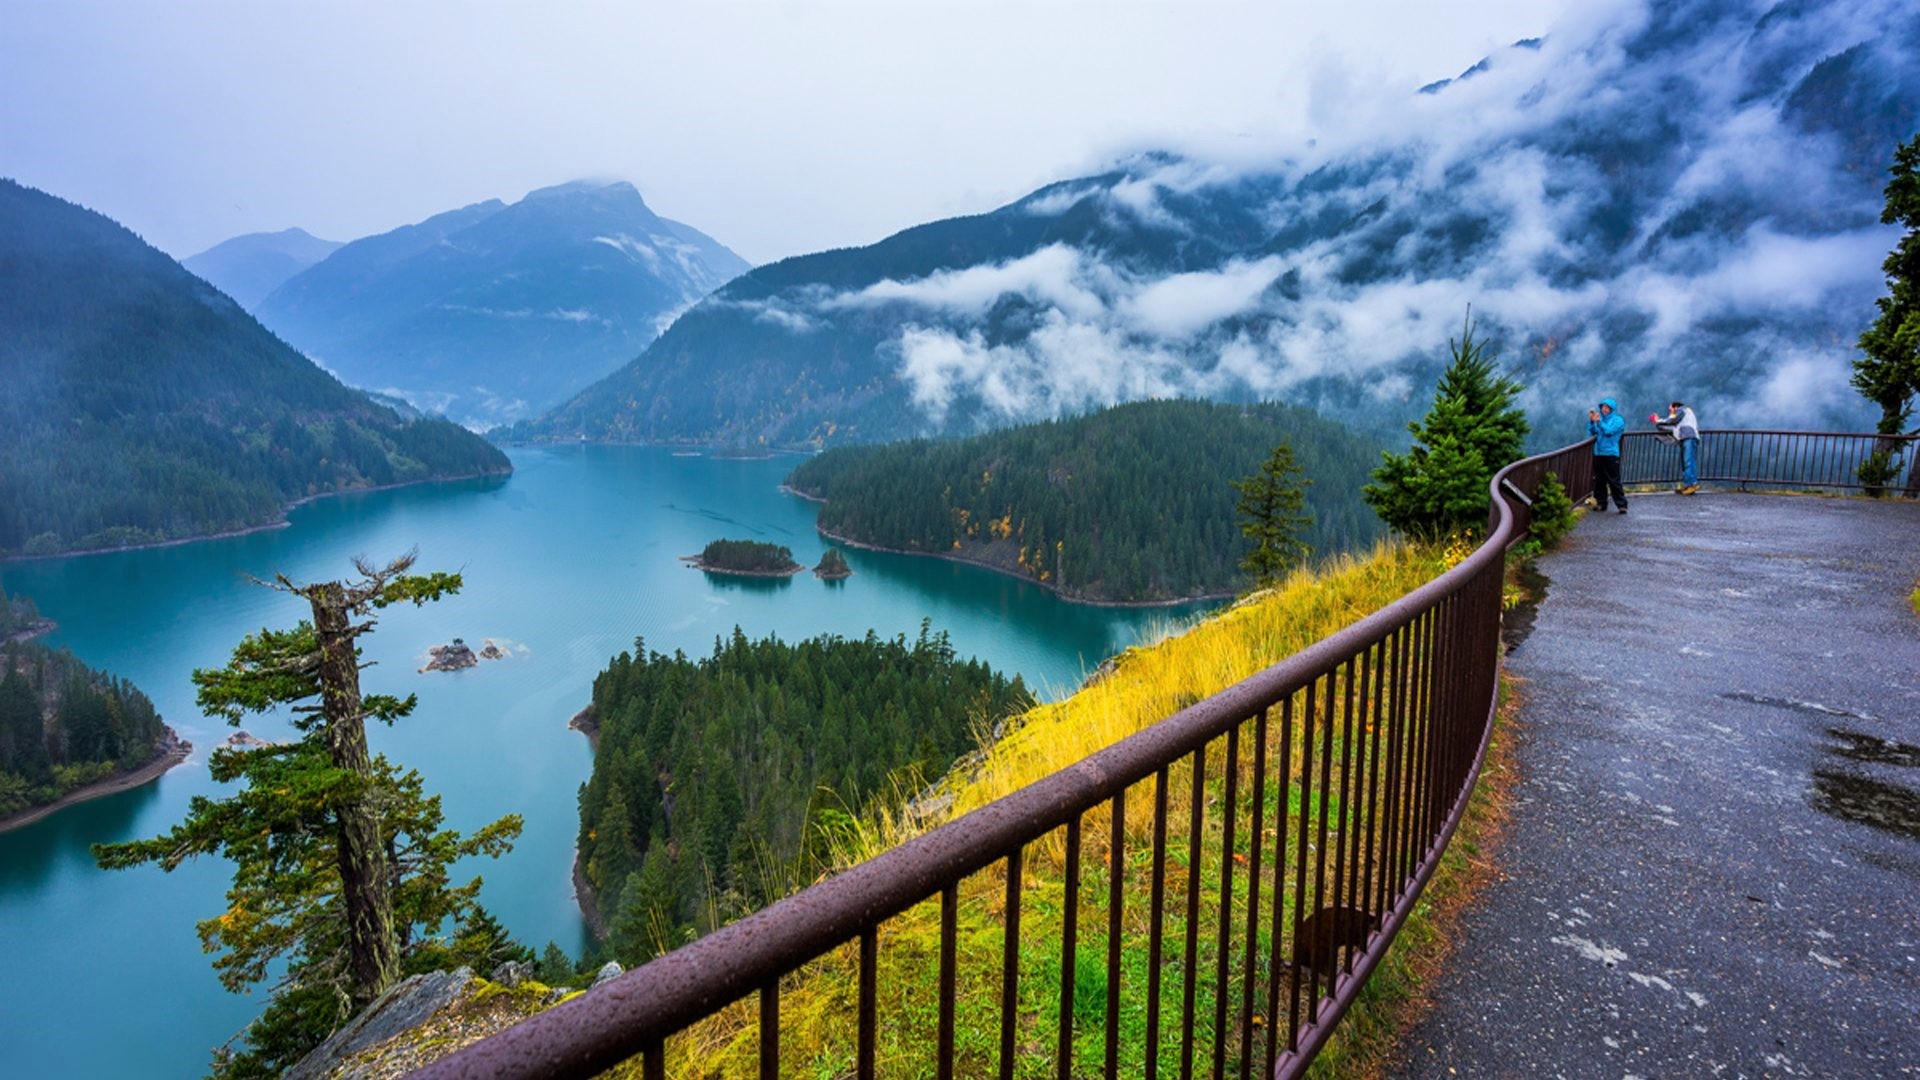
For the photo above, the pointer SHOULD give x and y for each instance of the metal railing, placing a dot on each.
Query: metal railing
(1272, 839)
(1777, 460)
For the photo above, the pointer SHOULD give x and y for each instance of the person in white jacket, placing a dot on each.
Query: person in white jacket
(1680, 426)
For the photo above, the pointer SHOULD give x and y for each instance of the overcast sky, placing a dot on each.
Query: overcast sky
(777, 128)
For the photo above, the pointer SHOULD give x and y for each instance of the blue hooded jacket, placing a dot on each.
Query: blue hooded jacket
(1606, 430)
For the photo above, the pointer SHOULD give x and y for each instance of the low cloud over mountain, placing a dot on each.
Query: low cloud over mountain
(1673, 199)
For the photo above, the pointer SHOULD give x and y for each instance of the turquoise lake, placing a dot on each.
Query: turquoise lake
(566, 562)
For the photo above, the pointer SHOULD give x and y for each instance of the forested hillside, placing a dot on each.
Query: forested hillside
(709, 774)
(64, 725)
(140, 404)
(1132, 503)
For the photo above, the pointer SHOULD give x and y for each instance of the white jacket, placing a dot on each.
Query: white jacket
(1681, 428)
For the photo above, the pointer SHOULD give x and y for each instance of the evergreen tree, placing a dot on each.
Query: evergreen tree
(1273, 516)
(483, 944)
(555, 969)
(23, 737)
(1473, 430)
(338, 857)
(1889, 373)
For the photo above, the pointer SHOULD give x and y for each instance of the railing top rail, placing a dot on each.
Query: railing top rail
(1783, 431)
(597, 1030)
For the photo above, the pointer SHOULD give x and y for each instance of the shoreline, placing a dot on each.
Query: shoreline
(248, 530)
(173, 750)
(1089, 602)
(587, 724)
(963, 560)
(588, 904)
(41, 628)
(712, 449)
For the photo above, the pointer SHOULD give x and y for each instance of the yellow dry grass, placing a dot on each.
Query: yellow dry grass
(1146, 684)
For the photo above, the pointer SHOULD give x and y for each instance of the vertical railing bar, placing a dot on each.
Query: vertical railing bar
(949, 917)
(1439, 717)
(1222, 979)
(1155, 924)
(869, 980)
(1456, 651)
(1456, 639)
(1069, 934)
(1387, 692)
(1320, 861)
(653, 1061)
(1371, 866)
(770, 1030)
(1343, 855)
(1116, 867)
(1423, 737)
(1300, 871)
(1390, 840)
(1194, 856)
(1256, 818)
(1282, 798)
(1409, 768)
(1010, 964)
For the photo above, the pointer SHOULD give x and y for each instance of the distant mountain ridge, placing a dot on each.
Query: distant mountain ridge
(141, 404)
(1682, 201)
(249, 267)
(495, 311)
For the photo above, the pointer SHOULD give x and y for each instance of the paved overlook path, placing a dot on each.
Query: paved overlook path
(1713, 867)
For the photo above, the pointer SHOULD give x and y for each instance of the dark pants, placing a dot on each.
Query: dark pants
(1606, 477)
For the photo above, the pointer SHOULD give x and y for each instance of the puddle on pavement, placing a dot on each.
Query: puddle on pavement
(1516, 623)
(1869, 800)
(1873, 749)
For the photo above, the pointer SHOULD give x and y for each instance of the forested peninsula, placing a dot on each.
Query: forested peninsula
(719, 783)
(1132, 504)
(142, 405)
(68, 732)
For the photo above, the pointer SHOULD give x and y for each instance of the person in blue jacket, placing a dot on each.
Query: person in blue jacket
(1605, 425)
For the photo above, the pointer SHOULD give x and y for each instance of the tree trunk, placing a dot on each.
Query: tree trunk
(373, 960)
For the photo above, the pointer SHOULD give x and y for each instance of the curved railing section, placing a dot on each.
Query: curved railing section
(1776, 460)
(1272, 838)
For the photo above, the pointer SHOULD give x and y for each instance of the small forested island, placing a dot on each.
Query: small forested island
(69, 732)
(1132, 504)
(748, 558)
(716, 782)
(833, 566)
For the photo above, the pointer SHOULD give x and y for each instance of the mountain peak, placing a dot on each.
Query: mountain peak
(615, 189)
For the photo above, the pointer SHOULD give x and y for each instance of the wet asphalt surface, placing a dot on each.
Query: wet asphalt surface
(1713, 866)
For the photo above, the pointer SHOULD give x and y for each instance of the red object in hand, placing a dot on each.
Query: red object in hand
(1653, 418)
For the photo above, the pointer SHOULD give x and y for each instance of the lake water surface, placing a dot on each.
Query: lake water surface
(569, 560)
